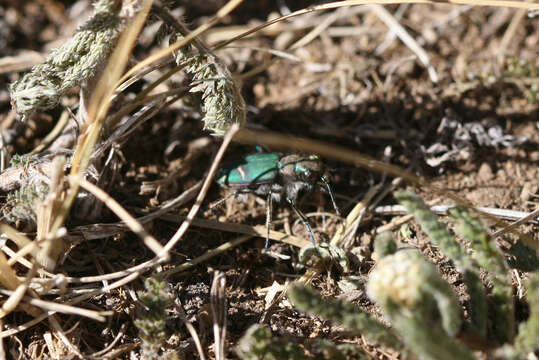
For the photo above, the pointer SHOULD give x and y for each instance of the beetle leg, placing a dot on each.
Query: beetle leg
(303, 218)
(222, 200)
(269, 205)
(326, 182)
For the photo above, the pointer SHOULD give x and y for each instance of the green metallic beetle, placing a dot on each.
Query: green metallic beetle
(276, 178)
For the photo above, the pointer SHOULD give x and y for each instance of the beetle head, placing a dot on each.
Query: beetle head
(307, 169)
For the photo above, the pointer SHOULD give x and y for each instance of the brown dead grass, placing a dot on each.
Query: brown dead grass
(351, 84)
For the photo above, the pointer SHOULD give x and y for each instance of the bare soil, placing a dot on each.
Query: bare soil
(339, 88)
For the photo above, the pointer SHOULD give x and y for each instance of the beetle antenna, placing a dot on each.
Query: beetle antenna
(304, 220)
(326, 182)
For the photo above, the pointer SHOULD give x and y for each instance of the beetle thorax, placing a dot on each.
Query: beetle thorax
(300, 168)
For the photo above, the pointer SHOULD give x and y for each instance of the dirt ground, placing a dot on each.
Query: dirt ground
(475, 132)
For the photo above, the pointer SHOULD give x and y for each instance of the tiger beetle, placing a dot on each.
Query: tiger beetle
(276, 178)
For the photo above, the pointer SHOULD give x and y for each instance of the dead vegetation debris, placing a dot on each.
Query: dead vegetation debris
(453, 101)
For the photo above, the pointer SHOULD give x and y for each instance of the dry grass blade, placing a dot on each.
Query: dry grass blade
(2, 350)
(505, 214)
(513, 225)
(219, 313)
(99, 231)
(358, 209)
(319, 29)
(139, 143)
(510, 4)
(129, 220)
(22, 327)
(14, 299)
(225, 10)
(16, 296)
(394, 223)
(99, 105)
(205, 187)
(20, 254)
(61, 334)
(26, 246)
(191, 329)
(8, 278)
(406, 38)
(207, 255)
(51, 242)
(20, 62)
(509, 33)
(258, 230)
(53, 134)
(132, 275)
(61, 308)
(117, 338)
(280, 141)
(339, 4)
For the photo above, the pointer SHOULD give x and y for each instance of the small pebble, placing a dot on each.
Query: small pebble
(485, 172)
